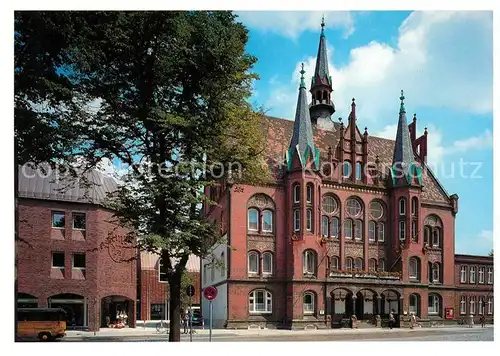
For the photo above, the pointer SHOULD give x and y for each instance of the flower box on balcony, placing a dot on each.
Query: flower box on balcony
(341, 274)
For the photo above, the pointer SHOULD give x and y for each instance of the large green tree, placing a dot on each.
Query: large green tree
(172, 89)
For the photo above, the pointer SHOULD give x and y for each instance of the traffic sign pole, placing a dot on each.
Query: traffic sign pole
(190, 319)
(210, 333)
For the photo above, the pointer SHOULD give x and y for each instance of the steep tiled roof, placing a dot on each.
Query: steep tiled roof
(279, 131)
(50, 184)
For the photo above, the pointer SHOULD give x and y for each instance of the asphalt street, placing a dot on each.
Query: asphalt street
(435, 334)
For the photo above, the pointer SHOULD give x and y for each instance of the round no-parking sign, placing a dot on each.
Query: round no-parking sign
(210, 293)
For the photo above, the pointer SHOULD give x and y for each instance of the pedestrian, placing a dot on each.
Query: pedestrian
(391, 319)
(185, 319)
(482, 319)
(471, 321)
(412, 321)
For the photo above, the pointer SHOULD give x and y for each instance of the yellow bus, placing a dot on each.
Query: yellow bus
(44, 324)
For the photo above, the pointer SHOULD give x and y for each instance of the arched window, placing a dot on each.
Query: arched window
(349, 263)
(435, 273)
(324, 226)
(296, 220)
(414, 206)
(402, 206)
(371, 231)
(414, 269)
(260, 301)
(253, 219)
(329, 204)
(414, 307)
(334, 227)
(414, 233)
(358, 263)
(267, 221)
(334, 264)
(309, 262)
(436, 237)
(380, 233)
(372, 265)
(402, 230)
(267, 263)
(253, 262)
(347, 169)
(427, 235)
(348, 228)
(358, 170)
(434, 304)
(463, 305)
(309, 221)
(381, 265)
(376, 210)
(308, 303)
(223, 267)
(296, 193)
(354, 208)
(309, 191)
(358, 229)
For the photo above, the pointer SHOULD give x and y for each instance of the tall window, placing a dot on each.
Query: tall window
(434, 304)
(162, 271)
(472, 275)
(372, 265)
(309, 262)
(427, 235)
(253, 262)
(371, 231)
(253, 219)
(308, 303)
(490, 305)
(296, 193)
(205, 273)
(381, 265)
(309, 221)
(436, 237)
(414, 206)
(309, 191)
(223, 267)
(402, 206)
(296, 220)
(480, 305)
(414, 235)
(79, 221)
(402, 230)
(490, 275)
(413, 305)
(324, 226)
(463, 304)
(349, 263)
(348, 229)
(481, 275)
(260, 301)
(267, 263)
(413, 268)
(267, 221)
(472, 305)
(435, 272)
(358, 263)
(347, 169)
(334, 264)
(358, 229)
(358, 170)
(334, 227)
(463, 274)
(380, 232)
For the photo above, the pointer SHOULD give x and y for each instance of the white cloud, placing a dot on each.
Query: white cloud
(441, 60)
(476, 142)
(293, 23)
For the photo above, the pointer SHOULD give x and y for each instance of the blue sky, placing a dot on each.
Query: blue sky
(442, 60)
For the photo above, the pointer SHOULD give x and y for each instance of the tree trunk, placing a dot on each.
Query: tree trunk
(175, 307)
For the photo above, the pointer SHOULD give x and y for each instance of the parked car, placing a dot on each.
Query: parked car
(197, 318)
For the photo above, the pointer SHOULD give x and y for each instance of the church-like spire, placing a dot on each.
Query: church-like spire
(403, 162)
(322, 106)
(302, 143)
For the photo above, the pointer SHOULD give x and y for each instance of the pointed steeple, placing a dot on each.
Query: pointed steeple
(302, 142)
(403, 162)
(321, 83)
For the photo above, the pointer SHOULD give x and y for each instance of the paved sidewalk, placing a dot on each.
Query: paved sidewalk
(148, 331)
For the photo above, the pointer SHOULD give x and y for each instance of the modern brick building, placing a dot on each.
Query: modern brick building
(351, 225)
(153, 286)
(65, 258)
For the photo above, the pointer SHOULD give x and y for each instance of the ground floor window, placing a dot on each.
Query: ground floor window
(413, 306)
(463, 305)
(260, 301)
(434, 304)
(308, 303)
(158, 311)
(490, 305)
